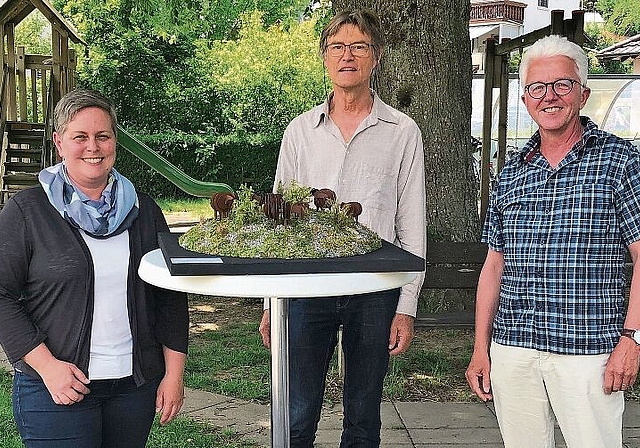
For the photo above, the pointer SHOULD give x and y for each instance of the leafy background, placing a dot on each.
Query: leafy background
(212, 84)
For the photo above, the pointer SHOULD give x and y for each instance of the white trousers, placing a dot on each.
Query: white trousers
(530, 386)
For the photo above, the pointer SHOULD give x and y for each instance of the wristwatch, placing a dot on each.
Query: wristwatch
(633, 334)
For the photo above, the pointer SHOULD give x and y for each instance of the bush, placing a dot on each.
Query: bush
(266, 77)
(230, 159)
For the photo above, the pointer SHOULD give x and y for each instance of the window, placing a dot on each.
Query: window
(543, 3)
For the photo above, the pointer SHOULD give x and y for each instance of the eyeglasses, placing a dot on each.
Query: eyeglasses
(358, 49)
(561, 87)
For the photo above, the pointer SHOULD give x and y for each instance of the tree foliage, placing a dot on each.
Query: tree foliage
(34, 33)
(148, 77)
(622, 16)
(264, 78)
(599, 38)
(209, 20)
(208, 87)
(268, 75)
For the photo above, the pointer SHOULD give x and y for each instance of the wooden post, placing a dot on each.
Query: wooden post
(12, 112)
(55, 65)
(2, 49)
(64, 62)
(485, 159)
(3, 98)
(3, 109)
(43, 88)
(34, 94)
(503, 110)
(557, 22)
(21, 73)
(578, 27)
(73, 64)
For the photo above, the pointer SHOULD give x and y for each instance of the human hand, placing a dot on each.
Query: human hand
(169, 398)
(478, 375)
(265, 329)
(65, 382)
(401, 333)
(622, 366)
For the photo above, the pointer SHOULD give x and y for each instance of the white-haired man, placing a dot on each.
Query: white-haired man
(550, 309)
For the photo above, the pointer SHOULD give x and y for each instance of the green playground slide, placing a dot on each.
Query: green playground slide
(171, 172)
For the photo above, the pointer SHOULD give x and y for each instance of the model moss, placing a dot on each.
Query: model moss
(269, 227)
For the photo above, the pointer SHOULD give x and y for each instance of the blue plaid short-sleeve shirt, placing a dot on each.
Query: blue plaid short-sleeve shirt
(564, 234)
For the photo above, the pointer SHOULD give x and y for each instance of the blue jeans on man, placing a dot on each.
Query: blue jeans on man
(313, 325)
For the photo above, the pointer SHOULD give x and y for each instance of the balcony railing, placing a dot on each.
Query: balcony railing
(498, 10)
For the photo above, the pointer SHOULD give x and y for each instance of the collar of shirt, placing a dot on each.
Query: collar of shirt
(586, 143)
(379, 111)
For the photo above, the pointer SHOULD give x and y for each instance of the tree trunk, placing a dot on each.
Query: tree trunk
(425, 72)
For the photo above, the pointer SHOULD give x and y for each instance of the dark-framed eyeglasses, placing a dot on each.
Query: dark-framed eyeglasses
(358, 49)
(561, 87)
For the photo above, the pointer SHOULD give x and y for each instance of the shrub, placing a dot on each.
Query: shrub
(232, 160)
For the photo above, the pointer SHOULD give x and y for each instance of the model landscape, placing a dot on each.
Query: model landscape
(296, 222)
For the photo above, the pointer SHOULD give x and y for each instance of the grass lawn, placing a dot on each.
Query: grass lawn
(197, 206)
(226, 356)
(9, 437)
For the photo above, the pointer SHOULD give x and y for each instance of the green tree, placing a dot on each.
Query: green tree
(264, 78)
(34, 33)
(147, 76)
(209, 20)
(161, 80)
(598, 38)
(215, 107)
(269, 75)
(622, 16)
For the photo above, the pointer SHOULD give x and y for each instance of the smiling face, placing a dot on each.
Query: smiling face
(346, 71)
(553, 113)
(88, 146)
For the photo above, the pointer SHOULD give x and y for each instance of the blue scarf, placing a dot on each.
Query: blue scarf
(110, 215)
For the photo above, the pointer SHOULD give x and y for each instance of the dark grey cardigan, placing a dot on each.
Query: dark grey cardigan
(46, 288)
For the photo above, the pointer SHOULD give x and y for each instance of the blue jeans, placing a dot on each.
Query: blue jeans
(313, 325)
(115, 413)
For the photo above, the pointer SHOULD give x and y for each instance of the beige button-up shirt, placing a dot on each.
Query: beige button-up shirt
(382, 167)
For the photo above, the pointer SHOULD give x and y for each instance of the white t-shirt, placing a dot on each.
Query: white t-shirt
(111, 354)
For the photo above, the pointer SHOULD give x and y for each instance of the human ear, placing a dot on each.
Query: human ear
(57, 140)
(584, 96)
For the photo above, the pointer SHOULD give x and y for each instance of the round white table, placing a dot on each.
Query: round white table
(278, 288)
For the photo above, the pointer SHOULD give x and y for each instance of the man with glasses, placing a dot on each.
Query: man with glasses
(553, 337)
(368, 152)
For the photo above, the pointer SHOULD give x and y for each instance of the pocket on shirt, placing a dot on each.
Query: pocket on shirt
(587, 211)
(374, 186)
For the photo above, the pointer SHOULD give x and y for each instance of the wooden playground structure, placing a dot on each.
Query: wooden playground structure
(30, 86)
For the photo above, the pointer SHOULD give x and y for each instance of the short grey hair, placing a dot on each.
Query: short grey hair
(76, 100)
(366, 21)
(555, 45)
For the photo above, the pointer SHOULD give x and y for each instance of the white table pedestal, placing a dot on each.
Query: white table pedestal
(278, 288)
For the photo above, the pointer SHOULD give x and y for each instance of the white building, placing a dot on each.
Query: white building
(507, 19)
